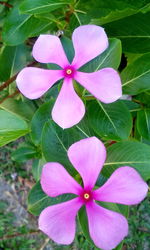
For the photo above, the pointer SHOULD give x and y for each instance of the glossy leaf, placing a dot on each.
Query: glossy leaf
(135, 76)
(12, 59)
(128, 153)
(143, 123)
(41, 6)
(110, 121)
(18, 27)
(11, 127)
(135, 38)
(41, 116)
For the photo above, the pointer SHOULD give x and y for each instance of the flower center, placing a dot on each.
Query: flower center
(68, 71)
(86, 196)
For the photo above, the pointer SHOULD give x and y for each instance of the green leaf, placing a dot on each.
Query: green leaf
(37, 166)
(38, 200)
(41, 6)
(24, 109)
(12, 59)
(110, 121)
(135, 76)
(115, 10)
(143, 123)
(24, 153)
(135, 38)
(56, 141)
(128, 153)
(111, 57)
(41, 116)
(11, 127)
(18, 27)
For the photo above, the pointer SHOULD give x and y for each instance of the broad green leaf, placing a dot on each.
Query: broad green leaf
(128, 153)
(41, 116)
(110, 121)
(135, 76)
(112, 10)
(135, 38)
(18, 27)
(37, 166)
(24, 108)
(38, 200)
(111, 57)
(24, 153)
(143, 123)
(42, 6)
(56, 141)
(12, 59)
(11, 127)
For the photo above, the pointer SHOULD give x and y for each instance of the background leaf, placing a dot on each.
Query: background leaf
(128, 153)
(110, 121)
(11, 127)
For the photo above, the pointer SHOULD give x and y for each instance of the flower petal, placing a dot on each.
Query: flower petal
(124, 186)
(104, 84)
(34, 82)
(58, 221)
(88, 156)
(68, 109)
(107, 228)
(55, 180)
(89, 41)
(48, 49)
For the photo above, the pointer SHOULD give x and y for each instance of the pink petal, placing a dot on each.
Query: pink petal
(55, 180)
(104, 84)
(88, 156)
(125, 186)
(48, 49)
(107, 228)
(34, 82)
(89, 41)
(68, 109)
(58, 221)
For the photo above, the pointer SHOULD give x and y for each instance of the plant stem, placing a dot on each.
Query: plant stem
(6, 4)
(19, 235)
(10, 96)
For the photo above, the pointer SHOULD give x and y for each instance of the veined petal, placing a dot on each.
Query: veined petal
(89, 41)
(88, 156)
(68, 109)
(104, 84)
(55, 180)
(58, 221)
(107, 228)
(124, 186)
(34, 82)
(48, 49)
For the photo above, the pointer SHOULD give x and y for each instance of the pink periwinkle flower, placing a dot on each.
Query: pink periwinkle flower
(107, 228)
(89, 41)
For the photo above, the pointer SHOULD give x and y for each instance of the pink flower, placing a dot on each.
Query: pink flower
(89, 41)
(106, 228)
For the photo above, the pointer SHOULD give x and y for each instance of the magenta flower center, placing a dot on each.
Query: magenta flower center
(69, 71)
(86, 196)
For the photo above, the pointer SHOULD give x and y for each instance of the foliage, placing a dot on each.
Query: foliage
(124, 126)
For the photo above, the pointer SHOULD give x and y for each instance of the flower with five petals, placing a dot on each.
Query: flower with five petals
(89, 41)
(107, 228)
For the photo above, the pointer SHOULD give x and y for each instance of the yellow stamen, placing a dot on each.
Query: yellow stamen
(68, 71)
(86, 196)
